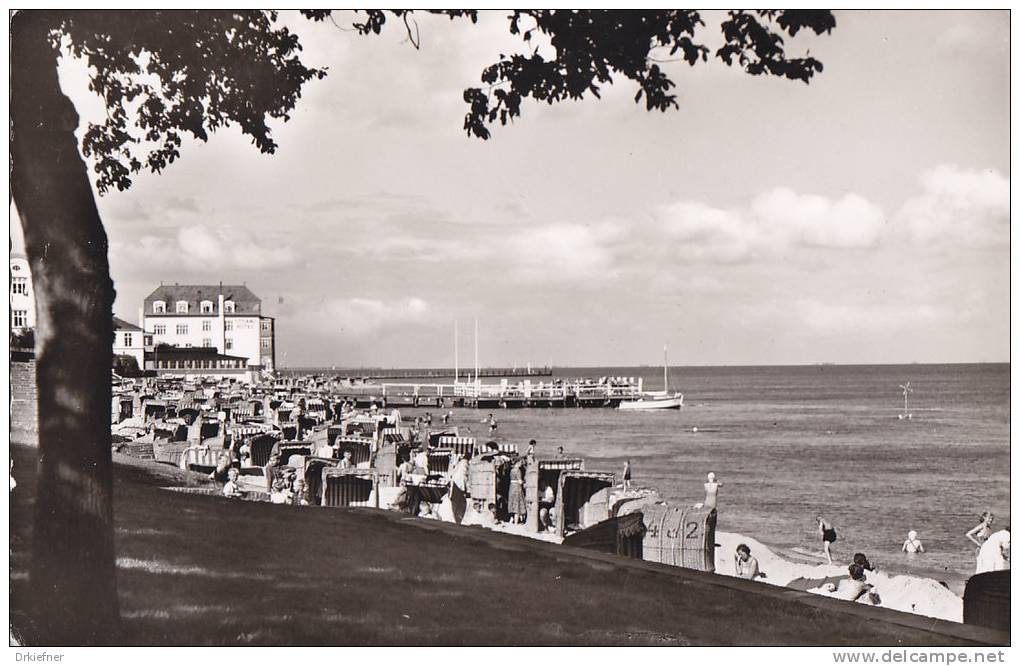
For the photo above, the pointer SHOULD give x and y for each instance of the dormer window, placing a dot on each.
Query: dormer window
(159, 307)
(182, 307)
(206, 307)
(228, 307)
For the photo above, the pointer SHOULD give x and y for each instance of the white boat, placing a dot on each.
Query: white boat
(657, 399)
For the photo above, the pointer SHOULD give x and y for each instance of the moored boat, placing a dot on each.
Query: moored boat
(653, 400)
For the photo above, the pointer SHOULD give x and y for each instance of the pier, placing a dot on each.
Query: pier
(525, 394)
(434, 373)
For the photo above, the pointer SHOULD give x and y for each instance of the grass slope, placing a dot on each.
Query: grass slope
(199, 570)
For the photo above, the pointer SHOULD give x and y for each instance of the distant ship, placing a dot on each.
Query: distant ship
(663, 399)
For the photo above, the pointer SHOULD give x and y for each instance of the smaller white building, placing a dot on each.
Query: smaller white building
(22, 294)
(129, 340)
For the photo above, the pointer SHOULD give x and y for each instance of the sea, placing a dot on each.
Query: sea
(790, 443)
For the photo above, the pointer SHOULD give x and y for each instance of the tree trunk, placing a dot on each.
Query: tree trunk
(72, 574)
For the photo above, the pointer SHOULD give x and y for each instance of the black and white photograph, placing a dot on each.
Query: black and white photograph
(484, 328)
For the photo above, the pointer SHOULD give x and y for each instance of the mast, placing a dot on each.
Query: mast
(665, 366)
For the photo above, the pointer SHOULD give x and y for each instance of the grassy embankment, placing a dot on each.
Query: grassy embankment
(195, 569)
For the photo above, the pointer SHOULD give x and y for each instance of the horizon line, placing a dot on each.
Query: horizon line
(640, 365)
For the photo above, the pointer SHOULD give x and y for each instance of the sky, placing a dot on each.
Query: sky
(863, 218)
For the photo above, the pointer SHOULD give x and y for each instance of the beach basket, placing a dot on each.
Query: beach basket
(462, 446)
(261, 447)
(680, 536)
(986, 600)
(360, 448)
(582, 500)
(348, 487)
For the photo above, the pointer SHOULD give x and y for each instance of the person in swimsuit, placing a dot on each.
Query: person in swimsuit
(982, 530)
(912, 544)
(828, 533)
(712, 491)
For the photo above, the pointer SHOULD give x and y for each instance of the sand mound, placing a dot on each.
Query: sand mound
(910, 594)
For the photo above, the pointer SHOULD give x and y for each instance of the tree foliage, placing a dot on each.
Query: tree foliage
(593, 46)
(166, 74)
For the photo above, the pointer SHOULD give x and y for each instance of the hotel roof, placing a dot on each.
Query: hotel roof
(245, 302)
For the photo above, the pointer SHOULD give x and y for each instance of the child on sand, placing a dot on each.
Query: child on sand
(230, 488)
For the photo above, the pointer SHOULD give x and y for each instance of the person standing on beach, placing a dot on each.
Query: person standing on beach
(517, 507)
(828, 533)
(626, 475)
(980, 533)
(712, 491)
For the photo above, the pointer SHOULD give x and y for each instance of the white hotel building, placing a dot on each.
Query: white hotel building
(225, 317)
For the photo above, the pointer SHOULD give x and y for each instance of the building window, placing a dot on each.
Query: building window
(19, 318)
(207, 342)
(228, 343)
(206, 325)
(159, 329)
(228, 325)
(182, 329)
(206, 307)
(182, 307)
(127, 339)
(267, 343)
(159, 307)
(19, 285)
(228, 307)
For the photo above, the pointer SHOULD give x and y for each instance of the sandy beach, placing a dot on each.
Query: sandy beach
(906, 593)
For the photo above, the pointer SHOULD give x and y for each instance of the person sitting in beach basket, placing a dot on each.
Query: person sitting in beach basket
(425, 510)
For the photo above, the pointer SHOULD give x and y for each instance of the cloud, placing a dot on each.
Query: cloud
(364, 316)
(770, 225)
(703, 234)
(200, 246)
(185, 204)
(202, 250)
(816, 221)
(559, 251)
(834, 318)
(959, 208)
